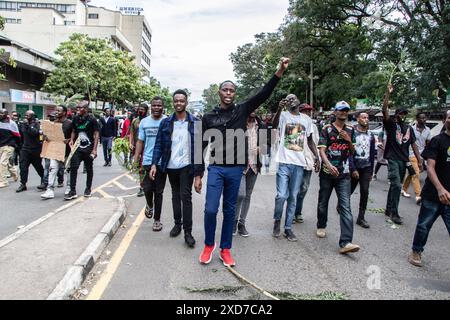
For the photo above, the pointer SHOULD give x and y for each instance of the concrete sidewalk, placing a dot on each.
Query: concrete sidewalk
(51, 259)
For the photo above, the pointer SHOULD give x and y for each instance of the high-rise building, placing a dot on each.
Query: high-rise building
(44, 24)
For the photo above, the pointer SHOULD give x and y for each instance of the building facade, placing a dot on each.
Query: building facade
(44, 24)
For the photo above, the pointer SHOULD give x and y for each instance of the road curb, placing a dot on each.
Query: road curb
(77, 273)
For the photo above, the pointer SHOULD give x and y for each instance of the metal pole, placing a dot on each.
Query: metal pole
(311, 103)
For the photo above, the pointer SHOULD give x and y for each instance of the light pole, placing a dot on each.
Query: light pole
(311, 80)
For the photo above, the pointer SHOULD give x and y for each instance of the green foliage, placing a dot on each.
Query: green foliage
(356, 47)
(211, 97)
(8, 60)
(91, 67)
(121, 147)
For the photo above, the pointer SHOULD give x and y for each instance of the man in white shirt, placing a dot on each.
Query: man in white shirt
(423, 137)
(295, 131)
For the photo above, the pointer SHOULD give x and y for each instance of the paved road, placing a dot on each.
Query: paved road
(141, 264)
(19, 209)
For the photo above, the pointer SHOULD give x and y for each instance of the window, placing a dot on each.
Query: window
(8, 5)
(12, 20)
(147, 33)
(145, 58)
(146, 46)
(93, 16)
(69, 23)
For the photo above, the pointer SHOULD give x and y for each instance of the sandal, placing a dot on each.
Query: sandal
(157, 226)
(148, 212)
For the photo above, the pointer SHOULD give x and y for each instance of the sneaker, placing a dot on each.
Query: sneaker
(105, 164)
(87, 193)
(290, 235)
(66, 192)
(109, 164)
(374, 178)
(189, 239)
(298, 219)
(235, 223)
(71, 195)
(3, 185)
(242, 231)
(349, 247)
(206, 255)
(363, 223)
(21, 188)
(321, 233)
(48, 194)
(418, 200)
(157, 226)
(140, 193)
(406, 194)
(60, 185)
(42, 187)
(148, 211)
(276, 229)
(396, 219)
(227, 259)
(415, 258)
(176, 230)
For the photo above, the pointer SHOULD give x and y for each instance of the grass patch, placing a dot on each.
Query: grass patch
(222, 290)
(328, 295)
(376, 210)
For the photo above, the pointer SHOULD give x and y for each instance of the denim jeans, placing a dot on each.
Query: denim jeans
(107, 147)
(343, 188)
(244, 197)
(224, 180)
(396, 174)
(429, 212)
(303, 190)
(289, 179)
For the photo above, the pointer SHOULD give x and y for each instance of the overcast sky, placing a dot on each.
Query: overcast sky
(192, 39)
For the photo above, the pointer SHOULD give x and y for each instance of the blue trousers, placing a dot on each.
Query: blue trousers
(224, 180)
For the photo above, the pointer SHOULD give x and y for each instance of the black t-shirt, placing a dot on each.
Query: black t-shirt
(439, 150)
(337, 150)
(67, 130)
(85, 127)
(399, 137)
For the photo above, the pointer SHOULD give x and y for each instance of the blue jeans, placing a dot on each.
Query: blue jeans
(107, 147)
(396, 175)
(289, 179)
(429, 212)
(226, 180)
(303, 190)
(343, 191)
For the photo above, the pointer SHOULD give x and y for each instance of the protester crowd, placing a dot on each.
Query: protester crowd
(236, 146)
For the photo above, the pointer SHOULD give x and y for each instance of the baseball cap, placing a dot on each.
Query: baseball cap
(342, 106)
(401, 110)
(305, 106)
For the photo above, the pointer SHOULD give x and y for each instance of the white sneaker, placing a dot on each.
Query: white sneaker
(67, 191)
(349, 247)
(48, 194)
(418, 200)
(321, 233)
(405, 194)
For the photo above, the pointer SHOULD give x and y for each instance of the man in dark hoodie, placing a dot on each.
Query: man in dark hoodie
(9, 139)
(227, 161)
(31, 150)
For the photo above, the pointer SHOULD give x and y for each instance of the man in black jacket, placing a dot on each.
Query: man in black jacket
(228, 121)
(107, 134)
(31, 150)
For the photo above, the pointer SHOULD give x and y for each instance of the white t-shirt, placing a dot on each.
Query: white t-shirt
(294, 132)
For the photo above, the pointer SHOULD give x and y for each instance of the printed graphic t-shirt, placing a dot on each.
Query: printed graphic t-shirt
(84, 128)
(362, 149)
(294, 133)
(399, 137)
(337, 150)
(148, 130)
(439, 150)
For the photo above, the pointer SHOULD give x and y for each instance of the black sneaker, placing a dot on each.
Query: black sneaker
(242, 231)
(60, 185)
(106, 164)
(148, 212)
(235, 223)
(176, 230)
(21, 188)
(290, 235)
(42, 187)
(109, 164)
(189, 239)
(140, 193)
(87, 192)
(363, 223)
(71, 195)
(276, 228)
(396, 219)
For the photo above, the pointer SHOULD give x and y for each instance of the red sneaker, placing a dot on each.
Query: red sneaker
(225, 256)
(206, 255)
